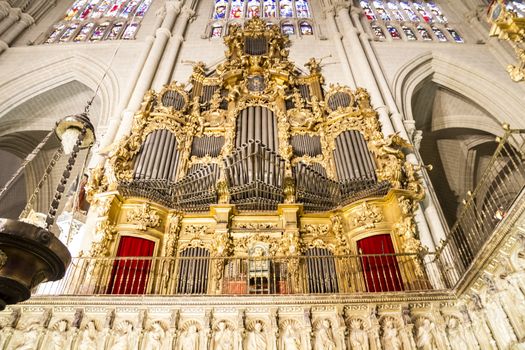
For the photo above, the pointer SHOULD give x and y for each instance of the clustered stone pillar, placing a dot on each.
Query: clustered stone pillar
(164, 73)
(12, 26)
(368, 74)
(336, 38)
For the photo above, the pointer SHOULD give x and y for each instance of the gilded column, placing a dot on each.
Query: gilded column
(336, 38)
(164, 73)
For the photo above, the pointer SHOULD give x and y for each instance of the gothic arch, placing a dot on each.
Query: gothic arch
(59, 71)
(495, 98)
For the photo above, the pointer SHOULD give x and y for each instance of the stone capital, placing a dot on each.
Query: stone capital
(173, 6)
(27, 19)
(162, 32)
(14, 13)
(4, 8)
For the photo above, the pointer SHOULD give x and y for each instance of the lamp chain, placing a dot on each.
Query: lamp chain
(27, 160)
(65, 176)
(47, 172)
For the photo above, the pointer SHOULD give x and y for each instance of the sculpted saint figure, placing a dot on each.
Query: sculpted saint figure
(223, 337)
(289, 340)
(59, 336)
(424, 338)
(88, 339)
(30, 337)
(358, 336)
(189, 339)
(456, 335)
(390, 339)
(255, 339)
(324, 339)
(122, 336)
(155, 337)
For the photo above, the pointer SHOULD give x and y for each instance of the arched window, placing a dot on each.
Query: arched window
(285, 8)
(288, 28)
(220, 9)
(378, 31)
(216, 30)
(409, 33)
(455, 35)
(306, 28)
(238, 10)
(301, 8)
(427, 15)
(393, 32)
(254, 8)
(439, 34)
(424, 33)
(270, 9)
(95, 20)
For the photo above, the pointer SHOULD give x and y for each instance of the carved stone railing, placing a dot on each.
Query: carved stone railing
(242, 275)
(486, 208)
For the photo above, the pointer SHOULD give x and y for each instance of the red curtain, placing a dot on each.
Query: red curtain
(130, 274)
(381, 269)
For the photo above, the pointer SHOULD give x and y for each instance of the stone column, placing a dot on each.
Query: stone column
(427, 217)
(167, 63)
(336, 37)
(145, 79)
(4, 9)
(11, 34)
(360, 65)
(12, 16)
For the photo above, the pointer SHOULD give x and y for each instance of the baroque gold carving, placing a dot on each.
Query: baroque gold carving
(104, 235)
(367, 216)
(144, 216)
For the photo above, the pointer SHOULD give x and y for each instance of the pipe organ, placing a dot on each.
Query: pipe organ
(258, 154)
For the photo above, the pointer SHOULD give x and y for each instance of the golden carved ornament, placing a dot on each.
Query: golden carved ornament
(172, 236)
(97, 183)
(104, 235)
(317, 229)
(144, 216)
(196, 230)
(367, 216)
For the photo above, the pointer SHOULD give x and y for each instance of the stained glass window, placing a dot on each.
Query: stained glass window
(518, 7)
(131, 30)
(288, 28)
(409, 33)
(378, 31)
(439, 34)
(306, 28)
(457, 38)
(428, 22)
(424, 33)
(286, 8)
(254, 8)
(95, 20)
(216, 31)
(269, 8)
(393, 32)
(238, 10)
(301, 7)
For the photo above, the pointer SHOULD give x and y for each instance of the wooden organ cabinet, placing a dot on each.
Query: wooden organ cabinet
(257, 178)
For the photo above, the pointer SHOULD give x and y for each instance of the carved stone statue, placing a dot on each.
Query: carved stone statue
(89, 337)
(390, 338)
(189, 339)
(290, 339)
(424, 338)
(256, 338)
(358, 338)
(123, 336)
(223, 338)
(156, 338)
(30, 336)
(324, 338)
(456, 335)
(59, 336)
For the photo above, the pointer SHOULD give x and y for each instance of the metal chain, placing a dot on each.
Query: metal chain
(65, 176)
(27, 160)
(50, 166)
